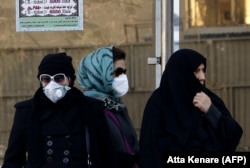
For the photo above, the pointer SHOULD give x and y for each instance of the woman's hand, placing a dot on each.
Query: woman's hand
(202, 101)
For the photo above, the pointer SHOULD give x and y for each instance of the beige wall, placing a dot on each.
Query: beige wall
(103, 24)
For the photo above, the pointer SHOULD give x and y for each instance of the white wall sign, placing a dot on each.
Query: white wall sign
(49, 15)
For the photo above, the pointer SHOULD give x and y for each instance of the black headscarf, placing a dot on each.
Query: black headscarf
(170, 122)
(177, 89)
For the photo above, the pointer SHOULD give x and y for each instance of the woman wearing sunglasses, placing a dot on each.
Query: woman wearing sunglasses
(102, 75)
(56, 127)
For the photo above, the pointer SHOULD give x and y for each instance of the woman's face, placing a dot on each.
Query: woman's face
(200, 74)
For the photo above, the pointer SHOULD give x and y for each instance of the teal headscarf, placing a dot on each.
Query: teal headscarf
(95, 76)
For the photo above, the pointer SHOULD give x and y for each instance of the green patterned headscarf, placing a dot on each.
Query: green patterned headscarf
(95, 75)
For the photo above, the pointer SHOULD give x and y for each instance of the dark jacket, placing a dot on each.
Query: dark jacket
(124, 143)
(49, 135)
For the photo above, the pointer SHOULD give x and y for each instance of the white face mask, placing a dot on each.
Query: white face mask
(55, 91)
(120, 85)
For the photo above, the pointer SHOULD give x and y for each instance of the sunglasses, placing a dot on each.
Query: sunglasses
(58, 78)
(119, 71)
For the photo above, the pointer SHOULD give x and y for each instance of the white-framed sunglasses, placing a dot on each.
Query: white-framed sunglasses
(58, 78)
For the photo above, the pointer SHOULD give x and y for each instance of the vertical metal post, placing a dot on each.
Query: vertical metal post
(158, 41)
(167, 31)
(163, 35)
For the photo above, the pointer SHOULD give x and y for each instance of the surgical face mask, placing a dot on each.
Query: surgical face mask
(55, 91)
(120, 85)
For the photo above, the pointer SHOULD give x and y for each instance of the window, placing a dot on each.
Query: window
(207, 13)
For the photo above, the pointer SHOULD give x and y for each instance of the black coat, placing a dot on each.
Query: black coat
(171, 123)
(54, 135)
(122, 158)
